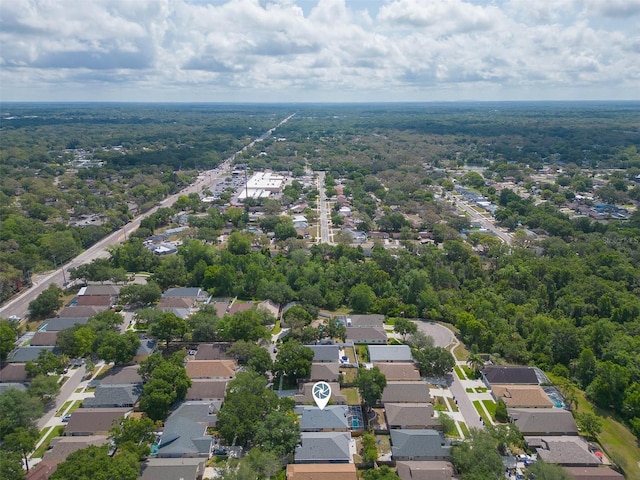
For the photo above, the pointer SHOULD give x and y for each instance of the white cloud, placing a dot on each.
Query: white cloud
(317, 50)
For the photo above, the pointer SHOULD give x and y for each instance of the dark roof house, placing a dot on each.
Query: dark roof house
(323, 447)
(406, 392)
(543, 421)
(419, 445)
(325, 353)
(434, 470)
(114, 396)
(511, 375)
(367, 335)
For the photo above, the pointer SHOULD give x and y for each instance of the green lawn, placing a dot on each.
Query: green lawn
(76, 405)
(352, 395)
(491, 407)
(465, 430)
(481, 390)
(363, 353)
(276, 328)
(459, 372)
(349, 375)
(452, 405)
(64, 406)
(481, 412)
(469, 390)
(55, 432)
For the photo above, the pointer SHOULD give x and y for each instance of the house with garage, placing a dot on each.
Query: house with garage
(405, 392)
(390, 353)
(543, 421)
(328, 372)
(369, 335)
(94, 421)
(211, 369)
(417, 470)
(509, 375)
(323, 447)
(311, 471)
(325, 353)
(410, 416)
(333, 418)
(171, 469)
(399, 371)
(114, 396)
(424, 445)
(521, 396)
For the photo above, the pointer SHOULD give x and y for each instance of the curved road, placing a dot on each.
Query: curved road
(443, 337)
(18, 305)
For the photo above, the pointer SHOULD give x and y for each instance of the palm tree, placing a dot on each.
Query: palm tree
(475, 362)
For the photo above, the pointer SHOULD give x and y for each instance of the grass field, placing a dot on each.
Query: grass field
(491, 408)
(465, 430)
(64, 406)
(352, 395)
(276, 328)
(481, 412)
(459, 372)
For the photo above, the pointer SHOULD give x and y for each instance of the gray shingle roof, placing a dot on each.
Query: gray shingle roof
(182, 292)
(424, 470)
(366, 334)
(401, 392)
(418, 444)
(325, 353)
(332, 417)
(543, 421)
(112, 396)
(62, 323)
(183, 437)
(24, 354)
(325, 371)
(172, 469)
(322, 447)
(390, 353)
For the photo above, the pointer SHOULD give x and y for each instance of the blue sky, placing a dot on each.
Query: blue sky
(319, 50)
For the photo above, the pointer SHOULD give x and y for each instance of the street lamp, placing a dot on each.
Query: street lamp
(55, 264)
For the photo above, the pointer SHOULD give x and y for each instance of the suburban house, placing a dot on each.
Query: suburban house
(305, 395)
(436, 470)
(333, 418)
(41, 339)
(367, 335)
(207, 390)
(594, 473)
(517, 375)
(323, 447)
(325, 353)
(399, 371)
(114, 396)
(328, 372)
(311, 471)
(410, 416)
(211, 369)
(95, 301)
(99, 290)
(13, 373)
(547, 421)
(187, 292)
(94, 421)
(406, 392)
(419, 445)
(390, 353)
(61, 323)
(373, 320)
(213, 351)
(121, 375)
(79, 312)
(42, 471)
(61, 447)
(25, 354)
(521, 396)
(567, 450)
(170, 469)
(183, 437)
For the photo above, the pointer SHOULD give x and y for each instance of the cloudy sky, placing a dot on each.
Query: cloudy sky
(319, 50)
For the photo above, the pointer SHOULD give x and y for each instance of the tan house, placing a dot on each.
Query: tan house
(410, 415)
(399, 371)
(316, 471)
(522, 396)
(416, 470)
(211, 369)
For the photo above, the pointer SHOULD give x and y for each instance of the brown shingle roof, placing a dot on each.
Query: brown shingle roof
(213, 351)
(13, 372)
(594, 473)
(42, 471)
(325, 371)
(206, 390)
(532, 396)
(305, 395)
(62, 447)
(410, 415)
(318, 471)
(77, 312)
(543, 421)
(43, 339)
(175, 302)
(401, 392)
(211, 368)
(94, 300)
(425, 470)
(86, 421)
(399, 371)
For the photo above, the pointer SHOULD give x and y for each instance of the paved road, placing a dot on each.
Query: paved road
(443, 337)
(75, 377)
(460, 204)
(18, 306)
(324, 216)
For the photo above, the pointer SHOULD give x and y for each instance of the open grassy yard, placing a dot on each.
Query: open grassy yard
(55, 432)
(481, 412)
(363, 353)
(353, 398)
(349, 375)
